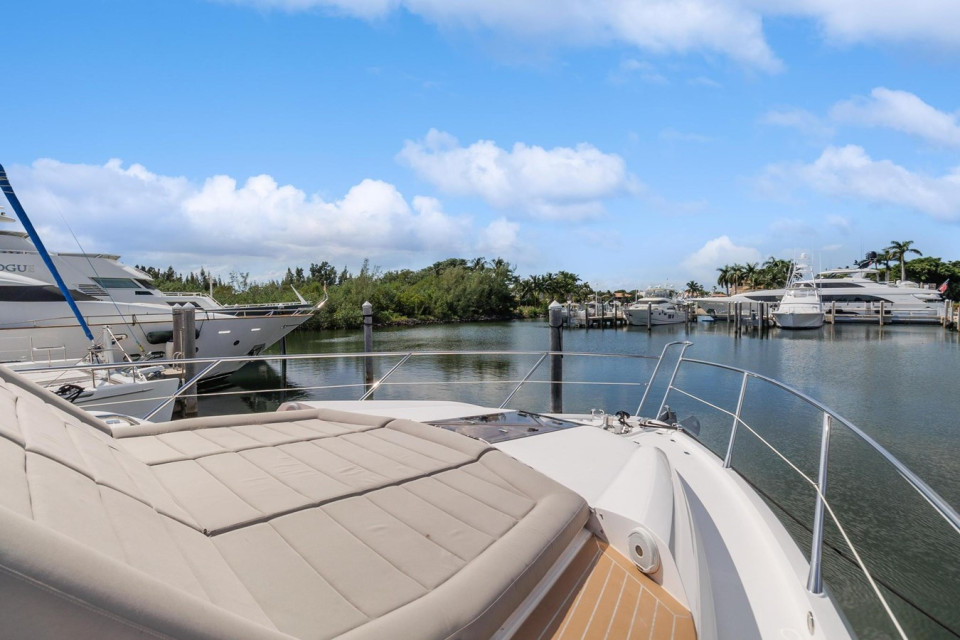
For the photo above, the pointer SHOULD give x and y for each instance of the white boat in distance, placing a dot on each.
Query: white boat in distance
(655, 307)
(436, 519)
(800, 307)
(856, 293)
(37, 324)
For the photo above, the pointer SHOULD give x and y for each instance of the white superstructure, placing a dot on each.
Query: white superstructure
(800, 307)
(37, 324)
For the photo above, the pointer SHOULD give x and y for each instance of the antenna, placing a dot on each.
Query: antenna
(7, 189)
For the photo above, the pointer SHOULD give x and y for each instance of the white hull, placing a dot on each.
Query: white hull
(654, 311)
(43, 331)
(798, 319)
(638, 317)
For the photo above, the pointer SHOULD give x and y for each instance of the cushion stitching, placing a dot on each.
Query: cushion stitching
(388, 459)
(486, 503)
(285, 483)
(314, 569)
(372, 550)
(425, 455)
(467, 524)
(265, 472)
(364, 543)
(504, 514)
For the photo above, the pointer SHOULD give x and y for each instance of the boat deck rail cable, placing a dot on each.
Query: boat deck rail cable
(811, 467)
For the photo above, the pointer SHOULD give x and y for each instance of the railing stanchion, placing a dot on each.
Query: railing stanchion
(815, 579)
(673, 377)
(653, 375)
(376, 385)
(727, 460)
(525, 378)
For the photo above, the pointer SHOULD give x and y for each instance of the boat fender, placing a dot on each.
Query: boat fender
(643, 550)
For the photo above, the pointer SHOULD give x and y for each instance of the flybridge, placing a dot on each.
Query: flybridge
(7, 189)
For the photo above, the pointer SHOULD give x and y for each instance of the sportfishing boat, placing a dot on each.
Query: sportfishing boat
(800, 307)
(435, 518)
(52, 304)
(856, 294)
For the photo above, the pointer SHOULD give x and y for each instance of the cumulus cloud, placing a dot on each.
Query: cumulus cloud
(727, 27)
(850, 172)
(731, 28)
(901, 111)
(113, 208)
(703, 263)
(926, 22)
(560, 183)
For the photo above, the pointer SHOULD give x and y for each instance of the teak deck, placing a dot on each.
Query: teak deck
(603, 595)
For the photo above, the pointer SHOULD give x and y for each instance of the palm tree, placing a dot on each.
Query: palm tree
(737, 277)
(724, 279)
(898, 251)
(695, 288)
(750, 272)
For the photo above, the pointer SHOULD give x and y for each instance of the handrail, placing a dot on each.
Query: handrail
(931, 496)
(822, 505)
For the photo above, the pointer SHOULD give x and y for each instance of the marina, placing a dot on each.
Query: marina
(327, 320)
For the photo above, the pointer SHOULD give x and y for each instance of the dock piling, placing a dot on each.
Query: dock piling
(556, 360)
(367, 310)
(185, 343)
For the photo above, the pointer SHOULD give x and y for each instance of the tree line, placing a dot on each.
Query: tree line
(455, 289)
(458, 289)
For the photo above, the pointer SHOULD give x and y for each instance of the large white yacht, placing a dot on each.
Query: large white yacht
(656, 307)
(856, 293)
(36, 322)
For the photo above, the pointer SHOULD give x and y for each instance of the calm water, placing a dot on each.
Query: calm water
(895, 382)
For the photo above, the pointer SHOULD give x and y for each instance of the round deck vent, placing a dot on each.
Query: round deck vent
(643, 550)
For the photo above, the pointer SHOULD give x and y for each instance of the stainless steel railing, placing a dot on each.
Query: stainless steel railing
(829, 419)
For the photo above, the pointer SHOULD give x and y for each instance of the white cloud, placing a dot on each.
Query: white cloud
(704, 262)
(901, 111)
(658, 26)
(500, 238)
(925, 22)
(849, 172)
(732, 28)
(560, 183)
(166, 218)
(799, 119)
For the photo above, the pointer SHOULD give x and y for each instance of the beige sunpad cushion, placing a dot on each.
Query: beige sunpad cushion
(303, 524)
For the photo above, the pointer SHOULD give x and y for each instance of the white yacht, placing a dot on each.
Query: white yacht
(800, 307)
(36, 322)
(855, 293)
(437, 519)
(655, 307)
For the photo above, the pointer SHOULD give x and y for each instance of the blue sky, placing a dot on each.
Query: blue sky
(632, 143)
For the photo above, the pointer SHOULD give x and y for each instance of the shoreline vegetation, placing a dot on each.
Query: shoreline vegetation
(460, 290)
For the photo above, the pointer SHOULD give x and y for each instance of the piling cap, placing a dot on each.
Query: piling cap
(555, 305)
(367, 308)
